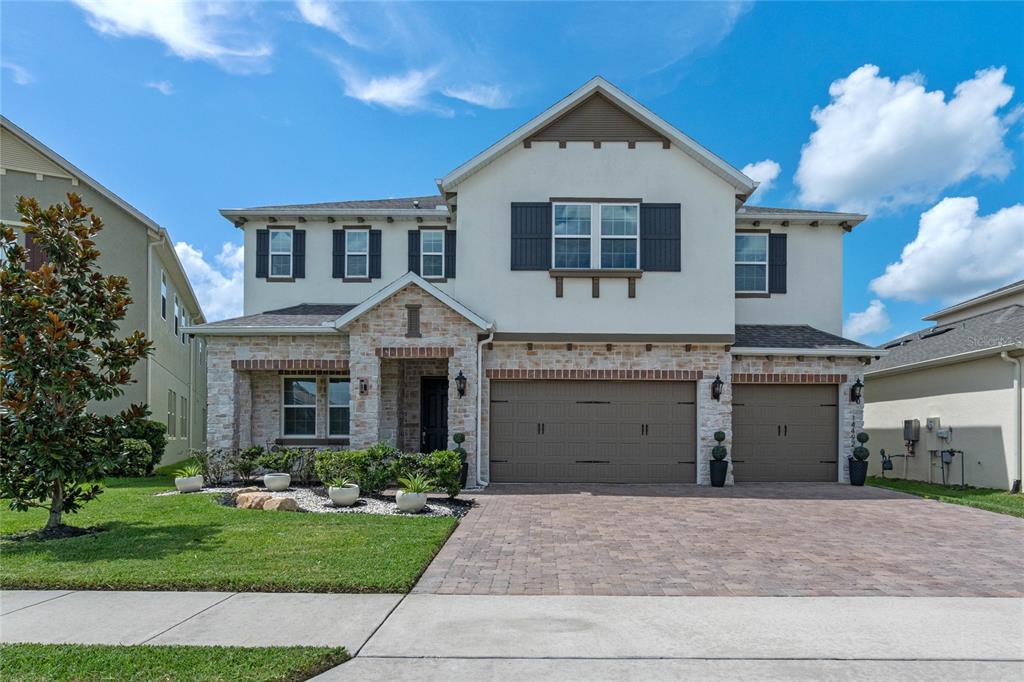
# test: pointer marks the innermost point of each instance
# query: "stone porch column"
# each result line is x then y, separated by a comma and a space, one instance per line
365, 409
462, 410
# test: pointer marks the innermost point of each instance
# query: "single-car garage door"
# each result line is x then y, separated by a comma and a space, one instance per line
784, 432
593, 431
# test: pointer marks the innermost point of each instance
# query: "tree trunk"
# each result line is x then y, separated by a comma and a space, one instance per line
56, 505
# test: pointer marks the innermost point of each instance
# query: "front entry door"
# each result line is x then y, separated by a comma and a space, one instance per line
433, 414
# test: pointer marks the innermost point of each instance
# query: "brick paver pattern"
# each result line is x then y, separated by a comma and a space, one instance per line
745, 540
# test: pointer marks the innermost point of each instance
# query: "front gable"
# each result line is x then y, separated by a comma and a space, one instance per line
597, 119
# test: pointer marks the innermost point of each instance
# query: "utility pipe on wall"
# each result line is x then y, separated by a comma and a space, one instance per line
479, 403
1005, 355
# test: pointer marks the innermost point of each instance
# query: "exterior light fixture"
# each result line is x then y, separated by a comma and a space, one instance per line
460, 384
364, 386
856, 391
716, 387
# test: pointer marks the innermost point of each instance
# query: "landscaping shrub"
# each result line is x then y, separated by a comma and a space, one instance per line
371, 468
244, 462
443, 467
154, 433
278, 461
134, 459
215, 464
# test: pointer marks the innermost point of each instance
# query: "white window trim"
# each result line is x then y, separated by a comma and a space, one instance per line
177, 312
183, 417
163, 294
763, 235
596, 238
172, 413
602, 236
184, 323
365, 254
424, 254
271, 253
333, 405
316, 405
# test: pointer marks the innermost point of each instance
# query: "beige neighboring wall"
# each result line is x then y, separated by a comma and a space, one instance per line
975, 398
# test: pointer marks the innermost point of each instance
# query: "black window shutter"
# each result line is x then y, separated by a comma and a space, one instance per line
776, 264
449, 253
531, 236
374, 266
337, 253
298, 254
660, 237
262, 253
414, 251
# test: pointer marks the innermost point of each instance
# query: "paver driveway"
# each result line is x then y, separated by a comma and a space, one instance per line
747, 540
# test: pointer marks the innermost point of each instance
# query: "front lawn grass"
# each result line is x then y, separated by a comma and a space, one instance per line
988, 499
190, 542
94, 662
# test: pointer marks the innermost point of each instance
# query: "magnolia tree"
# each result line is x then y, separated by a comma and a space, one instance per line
59, 350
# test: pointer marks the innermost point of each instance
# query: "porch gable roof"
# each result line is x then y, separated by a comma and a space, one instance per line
396, 286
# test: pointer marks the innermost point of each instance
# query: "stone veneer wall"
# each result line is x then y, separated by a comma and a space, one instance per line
851, 415
232, 419
711, 360
441, 330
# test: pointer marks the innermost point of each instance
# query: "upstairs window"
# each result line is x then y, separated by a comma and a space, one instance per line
281, 253
163, 295
338, 407
299, 403
620, 236
572, 236
177, 314
184, 323
172, 414
752, 263
432, 253
184, 417
357, 253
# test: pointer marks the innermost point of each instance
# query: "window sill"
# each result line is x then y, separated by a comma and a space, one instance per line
362, 280
297, 440
280, 279
606, 273
753, 294
436, 280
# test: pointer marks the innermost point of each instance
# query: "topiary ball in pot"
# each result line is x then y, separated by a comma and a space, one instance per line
719, 452
719, 437
859, 461
861, 453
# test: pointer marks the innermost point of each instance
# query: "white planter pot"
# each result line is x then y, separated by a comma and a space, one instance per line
277, 482
410, 503
188, 484
345, 496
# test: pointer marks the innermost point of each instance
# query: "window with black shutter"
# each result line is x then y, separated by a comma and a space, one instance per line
531, 230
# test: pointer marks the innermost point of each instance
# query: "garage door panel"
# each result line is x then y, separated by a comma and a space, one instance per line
592, 431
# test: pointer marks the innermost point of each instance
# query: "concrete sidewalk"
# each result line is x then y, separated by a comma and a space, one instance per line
210, 618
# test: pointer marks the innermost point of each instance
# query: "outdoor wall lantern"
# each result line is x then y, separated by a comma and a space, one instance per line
716, 387
364, 386
460, 384
855, 391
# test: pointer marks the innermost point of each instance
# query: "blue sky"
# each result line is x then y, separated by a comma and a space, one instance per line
911, 112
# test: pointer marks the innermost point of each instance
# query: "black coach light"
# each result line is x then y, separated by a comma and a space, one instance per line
716, 387
855, 391
460, 384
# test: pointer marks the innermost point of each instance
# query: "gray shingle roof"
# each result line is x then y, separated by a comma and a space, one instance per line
748, 208
988, 330
788, 336
302, 315
425, 202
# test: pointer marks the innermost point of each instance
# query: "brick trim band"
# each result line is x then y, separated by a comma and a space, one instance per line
758, 378
289, 364
415, 352
598, 374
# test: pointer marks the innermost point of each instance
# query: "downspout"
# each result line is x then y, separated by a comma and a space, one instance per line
479, 403
1005, 355
149, 322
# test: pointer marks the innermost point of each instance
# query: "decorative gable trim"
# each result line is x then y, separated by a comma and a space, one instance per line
399, 284
597, 119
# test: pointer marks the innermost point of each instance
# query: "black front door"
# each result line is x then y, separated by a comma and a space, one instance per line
433, 413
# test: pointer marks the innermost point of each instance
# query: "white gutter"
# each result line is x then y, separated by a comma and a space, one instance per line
812, 352
947, 360
1005, 355
258, 331
479, 405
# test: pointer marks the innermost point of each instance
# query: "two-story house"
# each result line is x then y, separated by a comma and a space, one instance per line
172, 380
588, 299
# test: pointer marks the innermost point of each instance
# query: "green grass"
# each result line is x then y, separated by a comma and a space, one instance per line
190, 542
982, 498
88, 662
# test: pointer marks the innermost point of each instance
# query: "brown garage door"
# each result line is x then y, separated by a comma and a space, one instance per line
593, 431
784, 433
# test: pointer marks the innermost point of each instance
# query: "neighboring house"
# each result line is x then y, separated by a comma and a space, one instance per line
172, 381
964, 371
573, 300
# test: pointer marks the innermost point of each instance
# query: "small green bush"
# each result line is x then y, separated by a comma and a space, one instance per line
445, 468
134, 459
278, 461
155, 434
371, 468
719, 452
244, 462
333, 465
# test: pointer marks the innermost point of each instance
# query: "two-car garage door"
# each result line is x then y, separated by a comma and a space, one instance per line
593, 431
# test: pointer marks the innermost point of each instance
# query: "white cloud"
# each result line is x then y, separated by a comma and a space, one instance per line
19, 74
196, 29
957, 253
163, 87
764, 172
871, 320
409, 91
329, 16
488, 96
218, 285
884, 144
